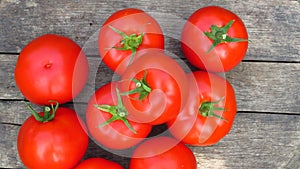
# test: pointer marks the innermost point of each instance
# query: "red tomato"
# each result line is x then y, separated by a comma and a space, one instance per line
107, 122
126, 33
154, 88
214, 39
58, 143
98, 163
51, 67
209, 113
162, 153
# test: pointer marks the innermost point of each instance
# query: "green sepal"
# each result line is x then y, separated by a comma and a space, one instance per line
219, 35
131, 42
118, 112
207, 109
142, 88
49, 112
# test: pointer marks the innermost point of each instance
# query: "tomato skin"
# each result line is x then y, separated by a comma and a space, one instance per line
51, 144
51, 67
115, 135
162, 153
96, 163
169, 88
195, 44
195, 129
129, 21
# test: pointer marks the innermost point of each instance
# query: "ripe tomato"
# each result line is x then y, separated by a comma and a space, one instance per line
106, 119
96, 163
162, 153
57, 143
154, 88
51, 67
126, 33
214, 39
209, 113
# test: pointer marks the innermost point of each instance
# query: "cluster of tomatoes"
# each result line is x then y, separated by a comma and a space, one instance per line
197, 107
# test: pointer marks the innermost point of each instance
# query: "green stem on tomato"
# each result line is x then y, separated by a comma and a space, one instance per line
49, 112
141, 88
131, 42
207, 109
219, 35
118, 112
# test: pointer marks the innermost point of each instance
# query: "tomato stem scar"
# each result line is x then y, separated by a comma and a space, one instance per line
48, 65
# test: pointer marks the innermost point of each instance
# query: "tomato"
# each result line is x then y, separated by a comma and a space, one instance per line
106, 119
154, 88
162, 153
58, 142
214, 39
126, 33
51, 67
96, 163
209, 113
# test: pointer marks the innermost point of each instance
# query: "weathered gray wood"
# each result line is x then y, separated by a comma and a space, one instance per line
259, 86
9, 156
267, 87
266, 132
294, 162
273, 25
255, 141
8, 87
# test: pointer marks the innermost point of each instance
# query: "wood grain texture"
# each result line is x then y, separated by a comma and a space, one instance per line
266, 132
259, 86
273, 26
255, 141
267, 87
8, 88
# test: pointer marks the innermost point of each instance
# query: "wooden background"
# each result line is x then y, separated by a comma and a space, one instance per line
266, 132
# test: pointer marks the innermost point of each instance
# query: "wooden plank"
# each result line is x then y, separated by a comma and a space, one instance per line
266, 132
273, 25
267, 87
259, 86
8, 88
254, 140
294, 162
